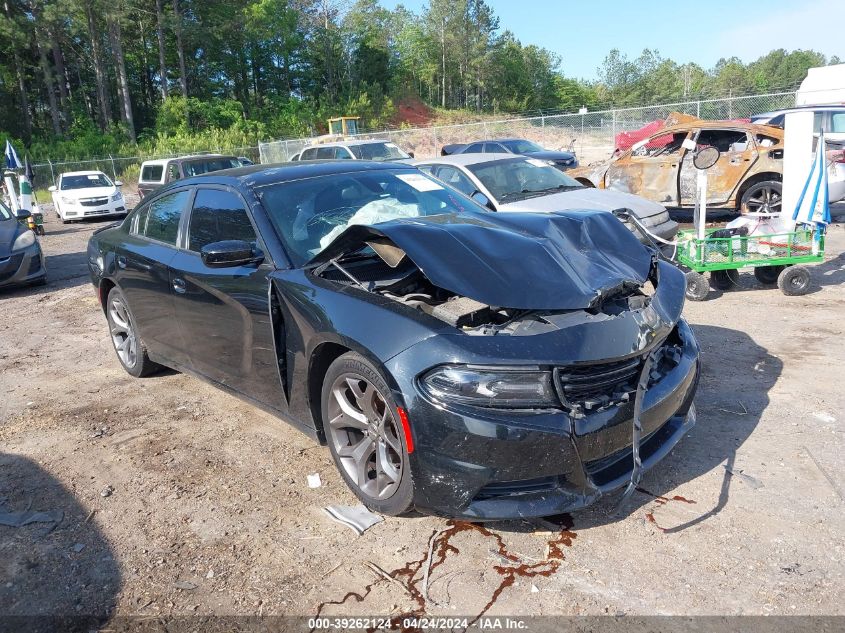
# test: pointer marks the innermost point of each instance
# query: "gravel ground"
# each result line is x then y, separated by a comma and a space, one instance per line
180, 499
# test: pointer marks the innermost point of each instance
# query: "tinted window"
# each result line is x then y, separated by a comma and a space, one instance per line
522, 147
342, 153
5, 212
475, 148
378, 151
218, 215
309, 154
325, 153
172, 172
494, 148
455, 179
85, 181
163, 217
197, 167
308, 214
152, 173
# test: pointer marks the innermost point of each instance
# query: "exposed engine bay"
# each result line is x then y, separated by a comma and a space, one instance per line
387, 272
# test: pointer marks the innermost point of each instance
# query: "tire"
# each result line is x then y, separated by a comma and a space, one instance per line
768, 275
762, 197
130, 349
697, 286
367, 440
794, 281
724, 279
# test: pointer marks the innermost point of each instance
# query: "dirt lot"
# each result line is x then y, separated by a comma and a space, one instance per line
179, 499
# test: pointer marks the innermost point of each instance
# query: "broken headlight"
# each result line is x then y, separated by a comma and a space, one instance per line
505, 387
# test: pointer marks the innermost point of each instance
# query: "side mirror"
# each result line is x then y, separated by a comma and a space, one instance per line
22, 214
483, 200
118, 183
411, 154
230, 253
705, 158
52, 188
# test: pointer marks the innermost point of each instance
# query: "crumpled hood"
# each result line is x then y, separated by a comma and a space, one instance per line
529, 261
588, 198
89, 192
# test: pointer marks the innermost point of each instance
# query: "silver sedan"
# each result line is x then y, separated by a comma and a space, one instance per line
504, 182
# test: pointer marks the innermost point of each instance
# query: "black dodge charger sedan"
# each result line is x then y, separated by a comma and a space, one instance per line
457, 361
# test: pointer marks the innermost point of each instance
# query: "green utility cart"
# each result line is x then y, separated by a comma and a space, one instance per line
775, 258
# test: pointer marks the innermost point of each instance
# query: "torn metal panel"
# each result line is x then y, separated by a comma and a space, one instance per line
663, 172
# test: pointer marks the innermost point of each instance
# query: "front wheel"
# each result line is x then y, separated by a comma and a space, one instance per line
128, 346
794, 281
365, 435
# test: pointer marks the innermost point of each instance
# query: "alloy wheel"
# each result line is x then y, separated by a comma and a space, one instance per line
765, 200
123, 332
365, 436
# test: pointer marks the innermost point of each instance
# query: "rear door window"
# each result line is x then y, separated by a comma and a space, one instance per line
152, 173
162, 222
837, 123
325, 153
218, 215
172, 172
475, 148
309, 154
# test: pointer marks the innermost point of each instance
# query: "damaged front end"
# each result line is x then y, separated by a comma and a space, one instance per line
560, 339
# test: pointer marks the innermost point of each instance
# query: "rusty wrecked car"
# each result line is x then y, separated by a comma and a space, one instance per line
747, 176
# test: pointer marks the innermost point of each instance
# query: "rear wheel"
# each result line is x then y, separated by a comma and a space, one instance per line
762, 197
697, 287
724, 279
128, 346
365, 435
794, 281
768, 275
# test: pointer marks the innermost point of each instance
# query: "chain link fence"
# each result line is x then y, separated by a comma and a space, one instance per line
592, 135
123, 168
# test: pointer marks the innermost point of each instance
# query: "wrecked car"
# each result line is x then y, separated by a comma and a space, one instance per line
747, 177
455, 361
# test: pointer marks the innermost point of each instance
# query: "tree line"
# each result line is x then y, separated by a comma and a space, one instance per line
89, 77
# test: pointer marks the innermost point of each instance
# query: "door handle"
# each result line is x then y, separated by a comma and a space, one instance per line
121, 261
179, 285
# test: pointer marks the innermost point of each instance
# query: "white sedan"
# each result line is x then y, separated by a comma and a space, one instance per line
82, 194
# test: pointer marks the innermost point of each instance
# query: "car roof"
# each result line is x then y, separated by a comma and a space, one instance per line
162, 161
368, 141
260, 175
81, 173
833, 106
468, 159
728, 125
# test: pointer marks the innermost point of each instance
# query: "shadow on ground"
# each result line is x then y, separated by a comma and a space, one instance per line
736, 377
60, 566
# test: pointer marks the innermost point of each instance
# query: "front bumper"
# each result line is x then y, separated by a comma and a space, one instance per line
23, 267
487, 465
79, 211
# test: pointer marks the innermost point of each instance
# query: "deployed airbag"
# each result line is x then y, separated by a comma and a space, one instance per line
530, 261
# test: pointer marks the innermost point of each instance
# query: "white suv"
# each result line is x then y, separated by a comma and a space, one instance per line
82, 194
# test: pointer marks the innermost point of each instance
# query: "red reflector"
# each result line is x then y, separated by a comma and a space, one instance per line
406, 426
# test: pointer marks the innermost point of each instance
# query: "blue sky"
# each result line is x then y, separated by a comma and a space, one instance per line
583, 32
